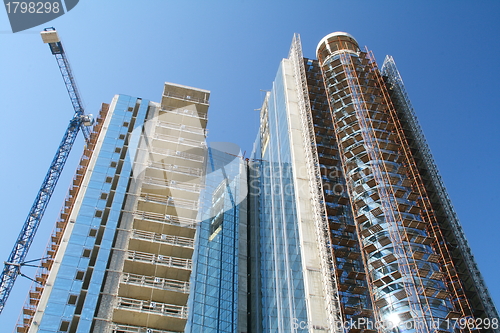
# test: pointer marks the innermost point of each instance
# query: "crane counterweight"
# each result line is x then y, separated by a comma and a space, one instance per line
50, 36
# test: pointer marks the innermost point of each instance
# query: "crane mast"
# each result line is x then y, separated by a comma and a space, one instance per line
79, 121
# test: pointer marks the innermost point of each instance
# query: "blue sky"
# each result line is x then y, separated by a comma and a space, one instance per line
446, 51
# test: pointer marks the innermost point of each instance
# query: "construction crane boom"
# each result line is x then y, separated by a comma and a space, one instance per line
79, 121
49, 35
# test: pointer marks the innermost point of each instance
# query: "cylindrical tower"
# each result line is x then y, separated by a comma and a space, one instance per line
407, 286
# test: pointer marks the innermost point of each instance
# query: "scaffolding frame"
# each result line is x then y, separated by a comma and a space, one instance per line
390, 70
380, 177
428, 215
366, 58
343, 242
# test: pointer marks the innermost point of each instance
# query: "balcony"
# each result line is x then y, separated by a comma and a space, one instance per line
161, 238
183, 222
158, 259
185, 97
118, 328
178, 154
162, 243
170, 201
130, 311
195, 188
155, 282
197, 172
187, 117
152, 264
180, 140
152, 307
147, 287
183, 128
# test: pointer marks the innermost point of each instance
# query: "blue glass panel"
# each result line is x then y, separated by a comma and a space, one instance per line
215, 274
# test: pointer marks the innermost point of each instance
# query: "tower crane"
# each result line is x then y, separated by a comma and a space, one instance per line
16, 260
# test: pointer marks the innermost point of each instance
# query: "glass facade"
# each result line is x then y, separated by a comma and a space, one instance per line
220, 264
282, 285
73, 298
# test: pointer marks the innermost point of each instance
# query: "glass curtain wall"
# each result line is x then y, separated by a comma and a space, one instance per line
215, 304
76, 288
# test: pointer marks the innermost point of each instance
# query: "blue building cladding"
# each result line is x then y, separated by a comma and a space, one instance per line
282, 283
80, 275
215, 281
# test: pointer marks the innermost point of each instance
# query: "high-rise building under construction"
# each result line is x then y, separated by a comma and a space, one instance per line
120, 257
356, 231
339, 222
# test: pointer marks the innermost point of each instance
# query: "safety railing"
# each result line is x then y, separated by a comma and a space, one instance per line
167, 219
155, 282
151, 307
162, 238
158, 259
